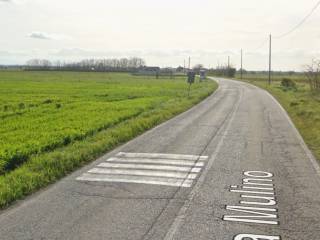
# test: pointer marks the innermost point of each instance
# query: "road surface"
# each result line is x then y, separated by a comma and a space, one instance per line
232, 167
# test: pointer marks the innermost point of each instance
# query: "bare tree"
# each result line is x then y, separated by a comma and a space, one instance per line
39, 63
313, 74
101, 65
197, 68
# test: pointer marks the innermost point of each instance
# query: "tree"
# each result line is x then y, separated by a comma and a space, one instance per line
313, 74
39, 63
197, 68
224, 71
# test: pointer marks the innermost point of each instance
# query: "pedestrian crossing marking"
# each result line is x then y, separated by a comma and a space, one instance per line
160, 161
148, 168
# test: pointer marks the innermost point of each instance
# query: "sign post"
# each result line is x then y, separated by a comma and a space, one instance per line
191, 79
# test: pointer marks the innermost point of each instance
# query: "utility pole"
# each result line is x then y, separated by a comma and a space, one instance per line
184, 65
241, 63
228, 62
270, 45
189, 63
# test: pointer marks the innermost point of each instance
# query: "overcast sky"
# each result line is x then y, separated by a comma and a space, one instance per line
163, 32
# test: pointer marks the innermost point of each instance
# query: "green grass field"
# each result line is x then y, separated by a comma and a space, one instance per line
55, 122
302, 105
299, 77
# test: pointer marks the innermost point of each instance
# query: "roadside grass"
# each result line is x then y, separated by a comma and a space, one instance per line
276, 77
55, 122
302, 105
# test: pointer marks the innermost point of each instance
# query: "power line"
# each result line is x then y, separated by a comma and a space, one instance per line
286, 33
300, 23
282, 36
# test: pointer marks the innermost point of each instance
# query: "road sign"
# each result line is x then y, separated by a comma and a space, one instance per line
202, 75
191, 77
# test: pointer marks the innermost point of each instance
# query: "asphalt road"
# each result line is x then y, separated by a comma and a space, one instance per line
232, 167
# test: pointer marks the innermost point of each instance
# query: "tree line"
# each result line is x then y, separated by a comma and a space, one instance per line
223, 71
99, 65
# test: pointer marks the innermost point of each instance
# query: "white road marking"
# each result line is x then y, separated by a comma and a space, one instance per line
253, 214
255, 237
200, 163
258, 188
174, 182
267, 201
162, 156
148, 168
150, 173
252, 192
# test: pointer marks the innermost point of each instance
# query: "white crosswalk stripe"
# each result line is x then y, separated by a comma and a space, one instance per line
148, 168
160, 161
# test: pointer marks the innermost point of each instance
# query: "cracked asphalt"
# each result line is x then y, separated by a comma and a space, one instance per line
241, 128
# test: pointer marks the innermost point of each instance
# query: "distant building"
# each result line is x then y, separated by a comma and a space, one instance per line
168, 70
148, 71
180, 69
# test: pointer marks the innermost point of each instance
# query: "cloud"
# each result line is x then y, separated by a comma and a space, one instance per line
40, 35
11, 1
244, 32
155, 53
47, 36
80, 52
95, 53
4, 53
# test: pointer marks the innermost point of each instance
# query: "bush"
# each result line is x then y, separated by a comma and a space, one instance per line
21, 106
47, 101
293, 104
288, 83
5, 108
